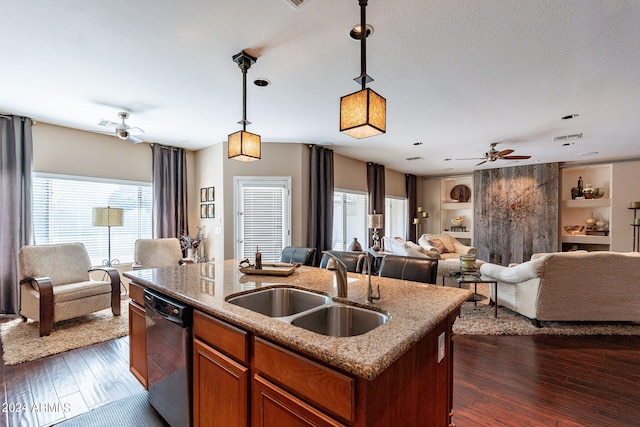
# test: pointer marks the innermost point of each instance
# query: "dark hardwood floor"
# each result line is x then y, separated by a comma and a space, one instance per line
58, 387
547, 381
498, 381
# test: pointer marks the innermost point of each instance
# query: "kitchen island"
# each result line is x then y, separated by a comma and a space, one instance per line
400, 371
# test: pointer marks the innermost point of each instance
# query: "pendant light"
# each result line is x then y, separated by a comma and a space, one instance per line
363, 113
244, 146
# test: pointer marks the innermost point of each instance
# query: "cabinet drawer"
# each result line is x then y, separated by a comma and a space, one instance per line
317, 384
136, 293
228, 339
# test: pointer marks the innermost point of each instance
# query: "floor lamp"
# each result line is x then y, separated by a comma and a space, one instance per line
108, 217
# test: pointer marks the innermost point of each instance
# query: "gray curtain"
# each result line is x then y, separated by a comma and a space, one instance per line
16, 224
169, 191
411, 187
376, 189
320, 227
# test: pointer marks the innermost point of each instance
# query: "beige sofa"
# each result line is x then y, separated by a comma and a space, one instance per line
448, 260
571, 286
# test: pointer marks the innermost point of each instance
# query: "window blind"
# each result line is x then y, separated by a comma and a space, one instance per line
263, 220
62, 213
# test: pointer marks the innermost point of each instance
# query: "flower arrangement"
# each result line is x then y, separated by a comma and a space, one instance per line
188, 242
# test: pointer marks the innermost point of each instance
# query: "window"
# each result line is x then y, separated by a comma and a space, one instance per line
63, 213
395, 217
264, 214
349, 219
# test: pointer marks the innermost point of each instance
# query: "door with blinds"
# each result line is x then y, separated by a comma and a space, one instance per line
263, 216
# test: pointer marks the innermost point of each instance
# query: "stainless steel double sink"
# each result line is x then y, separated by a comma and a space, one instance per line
311, 311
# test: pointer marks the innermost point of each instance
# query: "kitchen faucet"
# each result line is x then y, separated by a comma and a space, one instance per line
334, 263
371, 297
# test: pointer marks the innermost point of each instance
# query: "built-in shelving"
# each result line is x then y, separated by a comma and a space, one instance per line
450, 208
575, 211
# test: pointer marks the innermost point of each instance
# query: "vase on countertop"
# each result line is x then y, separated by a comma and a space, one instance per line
355, 246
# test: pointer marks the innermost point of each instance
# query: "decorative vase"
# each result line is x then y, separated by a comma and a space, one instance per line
355, 246
468, 263
591, 221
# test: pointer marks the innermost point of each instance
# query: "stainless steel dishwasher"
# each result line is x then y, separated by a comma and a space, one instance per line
168, 328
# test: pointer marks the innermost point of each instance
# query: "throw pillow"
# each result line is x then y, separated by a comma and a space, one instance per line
439, 245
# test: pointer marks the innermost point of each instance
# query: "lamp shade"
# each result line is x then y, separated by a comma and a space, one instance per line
244, 146
363, 114
375, 221
107, 217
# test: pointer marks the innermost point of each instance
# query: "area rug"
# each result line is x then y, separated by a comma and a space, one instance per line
21, 341
480, 320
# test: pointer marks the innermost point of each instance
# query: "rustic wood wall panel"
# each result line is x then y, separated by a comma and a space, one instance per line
515, 212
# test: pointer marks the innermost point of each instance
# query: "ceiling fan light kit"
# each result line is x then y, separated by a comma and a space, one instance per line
363, 113
242, 145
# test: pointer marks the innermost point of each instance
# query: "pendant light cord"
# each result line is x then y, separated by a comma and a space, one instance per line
363, 43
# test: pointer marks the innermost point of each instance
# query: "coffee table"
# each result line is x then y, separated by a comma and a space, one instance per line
460, 278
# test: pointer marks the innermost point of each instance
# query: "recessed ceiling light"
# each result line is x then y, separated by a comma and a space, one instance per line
589, 153
570, 116
566, 144
417, 143
447, 160
447, 169
261, 82
356, 31
414, 158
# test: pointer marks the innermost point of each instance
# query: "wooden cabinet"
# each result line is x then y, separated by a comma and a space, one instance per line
220, 388
137, 334
326, 388
220, 373
275, 407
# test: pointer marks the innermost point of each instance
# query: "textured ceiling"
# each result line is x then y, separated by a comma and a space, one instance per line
457, 75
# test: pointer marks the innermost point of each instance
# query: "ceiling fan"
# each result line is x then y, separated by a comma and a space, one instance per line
492, 155
123, 130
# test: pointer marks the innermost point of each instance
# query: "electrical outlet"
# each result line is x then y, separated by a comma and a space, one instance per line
441, 345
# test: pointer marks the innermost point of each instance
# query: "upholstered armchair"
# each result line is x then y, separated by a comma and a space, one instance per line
156, 253
55, 285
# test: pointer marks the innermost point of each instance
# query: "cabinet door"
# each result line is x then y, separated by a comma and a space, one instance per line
137, 343
220, 388
274, 407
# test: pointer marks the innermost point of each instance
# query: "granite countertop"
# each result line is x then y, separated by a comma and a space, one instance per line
415, 309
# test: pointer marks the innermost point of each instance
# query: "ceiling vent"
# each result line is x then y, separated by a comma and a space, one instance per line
106, 123
298, 3
567, 137
414, 158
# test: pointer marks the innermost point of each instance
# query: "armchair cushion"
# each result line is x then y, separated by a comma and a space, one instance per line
453, 245
53, 261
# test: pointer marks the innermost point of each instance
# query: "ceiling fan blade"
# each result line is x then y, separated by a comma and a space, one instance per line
504, 153
134, 140
515, 157
135, 131
481, 163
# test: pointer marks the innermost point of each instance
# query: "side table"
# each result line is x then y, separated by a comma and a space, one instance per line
376, 259
475, 279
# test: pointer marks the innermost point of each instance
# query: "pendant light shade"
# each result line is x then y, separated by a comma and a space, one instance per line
242, 145
363, 113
